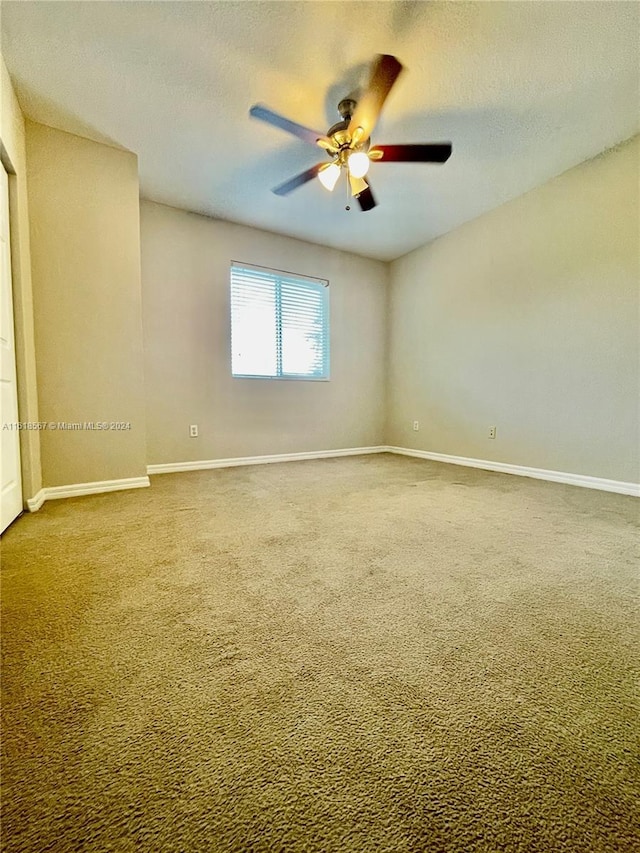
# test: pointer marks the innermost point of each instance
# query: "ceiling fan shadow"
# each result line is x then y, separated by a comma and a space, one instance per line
267, 171
461, 126
350, 85
407, 16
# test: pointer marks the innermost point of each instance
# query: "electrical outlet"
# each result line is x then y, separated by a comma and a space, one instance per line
492, 432
193, 430
416, 425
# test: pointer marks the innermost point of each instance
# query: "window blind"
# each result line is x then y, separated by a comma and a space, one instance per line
279, 325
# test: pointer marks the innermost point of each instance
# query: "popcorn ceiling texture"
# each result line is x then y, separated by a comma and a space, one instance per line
524, 91
374, 654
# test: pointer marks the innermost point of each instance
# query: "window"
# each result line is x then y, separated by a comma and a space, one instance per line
279, 324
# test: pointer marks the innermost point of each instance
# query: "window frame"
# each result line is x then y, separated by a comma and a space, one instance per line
278, 275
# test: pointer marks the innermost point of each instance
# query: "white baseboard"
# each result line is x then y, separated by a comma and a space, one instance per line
52, 493
34, 503
582, 480
78, 489
205, 464
619, 486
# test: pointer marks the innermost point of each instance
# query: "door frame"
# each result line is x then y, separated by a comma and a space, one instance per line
13, 158
15, 506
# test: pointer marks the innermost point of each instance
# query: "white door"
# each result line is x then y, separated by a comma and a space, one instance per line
10, 476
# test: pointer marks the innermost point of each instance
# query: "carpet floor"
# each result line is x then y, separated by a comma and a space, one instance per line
362, 655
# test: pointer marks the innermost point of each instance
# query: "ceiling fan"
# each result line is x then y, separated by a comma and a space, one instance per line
348, 143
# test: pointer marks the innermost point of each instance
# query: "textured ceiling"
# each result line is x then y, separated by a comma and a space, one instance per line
523, 90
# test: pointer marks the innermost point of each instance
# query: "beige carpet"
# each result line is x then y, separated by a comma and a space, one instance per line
372, 654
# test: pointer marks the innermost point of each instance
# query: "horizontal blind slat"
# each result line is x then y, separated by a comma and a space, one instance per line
278, 315
253, 319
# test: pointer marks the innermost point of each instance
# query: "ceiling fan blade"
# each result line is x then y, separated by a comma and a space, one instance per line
298, 180
366, 200
263, 113
361, 190
384, 74
434, 152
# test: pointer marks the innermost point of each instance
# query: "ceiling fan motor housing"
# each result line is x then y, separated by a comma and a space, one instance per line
339, 133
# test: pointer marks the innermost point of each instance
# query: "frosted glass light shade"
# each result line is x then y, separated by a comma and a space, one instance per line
328, 176
359, 164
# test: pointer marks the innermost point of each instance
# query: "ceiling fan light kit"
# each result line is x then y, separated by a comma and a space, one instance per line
358, 164
328, 175
348, 142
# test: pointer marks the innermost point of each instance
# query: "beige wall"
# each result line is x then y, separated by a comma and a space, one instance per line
12, 144
185, 274
85, 251
527, 319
